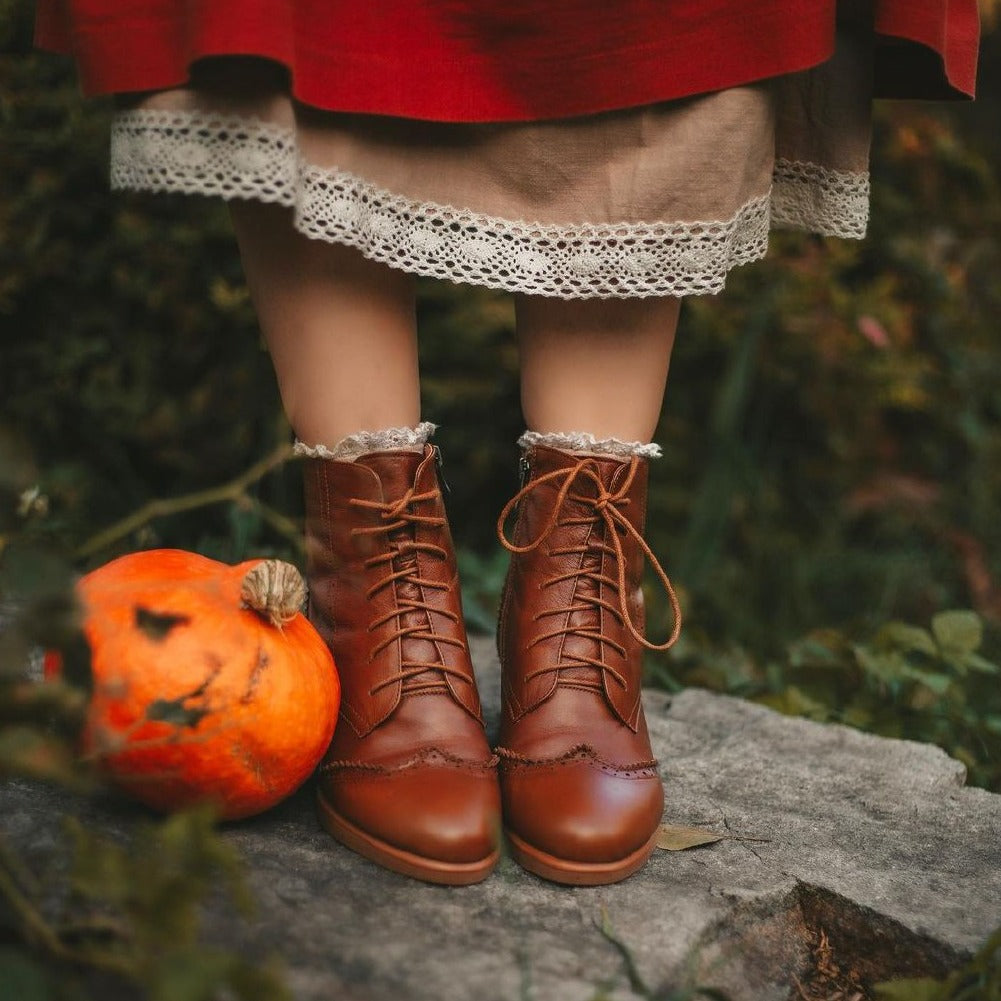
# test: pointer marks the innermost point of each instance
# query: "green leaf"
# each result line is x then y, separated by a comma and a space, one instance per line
795, 702
974, 662
32, 753
887, 666
22, 978
938, 683
258, 983
821, 648
901, 636
910, 989
190, 974
958, 631
100, 869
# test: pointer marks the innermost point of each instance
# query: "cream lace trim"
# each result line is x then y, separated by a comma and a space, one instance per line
362, 442
582, 441
198, 153
585, 261
814, 198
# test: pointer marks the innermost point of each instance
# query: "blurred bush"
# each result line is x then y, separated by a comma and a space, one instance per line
832, 430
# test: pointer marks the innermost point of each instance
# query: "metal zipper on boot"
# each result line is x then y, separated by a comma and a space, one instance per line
524, 468
440, 463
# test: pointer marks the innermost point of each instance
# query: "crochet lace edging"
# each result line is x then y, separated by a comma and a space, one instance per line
582, 441
810, 197
233, 157
197, 153
363, 442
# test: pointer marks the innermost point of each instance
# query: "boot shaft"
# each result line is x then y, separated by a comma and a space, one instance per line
384, 591
574, 583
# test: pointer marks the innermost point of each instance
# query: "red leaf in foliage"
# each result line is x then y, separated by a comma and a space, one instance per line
873, 331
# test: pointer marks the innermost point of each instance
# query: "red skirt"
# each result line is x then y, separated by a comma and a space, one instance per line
507, 60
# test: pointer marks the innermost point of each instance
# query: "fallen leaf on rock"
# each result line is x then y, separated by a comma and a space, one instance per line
675, 838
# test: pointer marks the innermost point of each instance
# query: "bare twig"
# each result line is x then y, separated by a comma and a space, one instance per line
281, 523
234, 490
16, 869
38, 931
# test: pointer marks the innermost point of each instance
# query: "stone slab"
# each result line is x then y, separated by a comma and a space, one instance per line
874, 843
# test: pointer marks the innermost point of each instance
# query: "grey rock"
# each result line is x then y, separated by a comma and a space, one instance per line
874, 844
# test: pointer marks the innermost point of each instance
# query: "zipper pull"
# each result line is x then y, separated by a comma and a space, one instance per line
524, 468
439, 462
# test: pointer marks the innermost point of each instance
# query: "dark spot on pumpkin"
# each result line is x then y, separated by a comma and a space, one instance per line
215, 666
252, 762
255, 676
176, 712
157, 625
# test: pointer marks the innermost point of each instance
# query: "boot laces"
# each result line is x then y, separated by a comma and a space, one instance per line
399, 521
605, 514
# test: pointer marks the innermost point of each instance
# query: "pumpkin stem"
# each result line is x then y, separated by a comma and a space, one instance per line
275, 590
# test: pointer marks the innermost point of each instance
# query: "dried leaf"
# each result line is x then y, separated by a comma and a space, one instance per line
676, 838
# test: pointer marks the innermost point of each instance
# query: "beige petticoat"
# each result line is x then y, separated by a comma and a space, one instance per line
658, 200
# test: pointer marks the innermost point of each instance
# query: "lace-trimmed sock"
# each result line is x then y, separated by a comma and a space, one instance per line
582, 441
362, 442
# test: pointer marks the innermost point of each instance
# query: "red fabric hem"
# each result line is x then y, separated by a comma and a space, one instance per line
951, 32
430, 70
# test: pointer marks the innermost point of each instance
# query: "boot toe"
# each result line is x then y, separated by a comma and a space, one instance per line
582, 813
431, 816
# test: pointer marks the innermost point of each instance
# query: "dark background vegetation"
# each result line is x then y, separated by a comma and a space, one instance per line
832, 429
827, 504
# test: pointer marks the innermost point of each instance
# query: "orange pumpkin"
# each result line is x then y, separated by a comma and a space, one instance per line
209, 684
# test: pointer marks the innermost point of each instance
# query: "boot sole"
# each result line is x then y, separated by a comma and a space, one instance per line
574, 873
398, 859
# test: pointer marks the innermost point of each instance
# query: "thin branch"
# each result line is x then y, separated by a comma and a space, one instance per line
38, 931
16, 868
234, 490
281, 523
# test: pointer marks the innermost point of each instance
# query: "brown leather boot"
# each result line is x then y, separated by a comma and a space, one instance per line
409, 780
581, 793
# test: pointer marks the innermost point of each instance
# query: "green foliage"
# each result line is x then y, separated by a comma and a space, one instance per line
977, 980
933, 685
832, 430
118, 916
130, 913
482, 583
832, 440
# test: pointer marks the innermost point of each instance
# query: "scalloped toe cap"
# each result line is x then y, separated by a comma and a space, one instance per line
581, 809
437, 811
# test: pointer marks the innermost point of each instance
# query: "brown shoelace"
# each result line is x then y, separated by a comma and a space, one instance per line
401, 557
606, 507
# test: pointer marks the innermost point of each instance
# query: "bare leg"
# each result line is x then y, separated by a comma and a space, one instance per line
341, 329
595, 365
